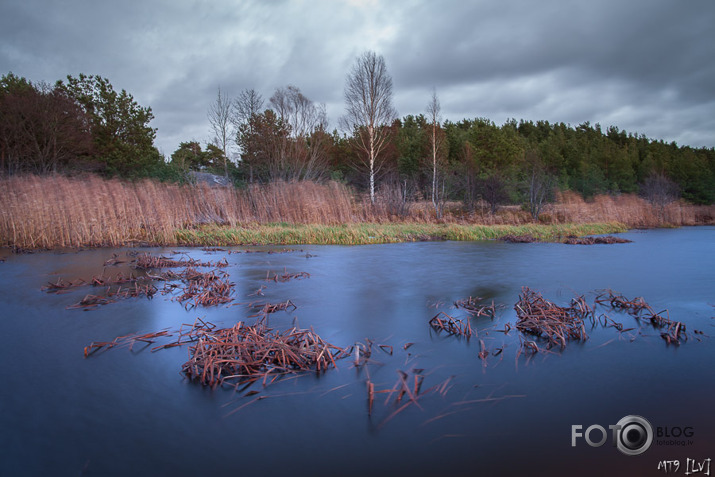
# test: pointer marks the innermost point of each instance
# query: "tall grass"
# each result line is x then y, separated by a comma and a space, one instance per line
57, 211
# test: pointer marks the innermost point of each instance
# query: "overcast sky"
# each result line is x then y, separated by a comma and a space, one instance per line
646, 66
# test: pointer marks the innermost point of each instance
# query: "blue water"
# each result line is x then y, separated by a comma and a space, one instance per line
131, 412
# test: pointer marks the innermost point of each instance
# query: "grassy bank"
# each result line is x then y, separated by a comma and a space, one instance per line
368, 233
58, 212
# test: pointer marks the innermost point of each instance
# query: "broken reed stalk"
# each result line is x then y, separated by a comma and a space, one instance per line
554, 323
127, 340
405, 387
249, 353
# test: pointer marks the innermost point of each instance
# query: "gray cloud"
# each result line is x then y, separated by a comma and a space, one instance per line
644, 65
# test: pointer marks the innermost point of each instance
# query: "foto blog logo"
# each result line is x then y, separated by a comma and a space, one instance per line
632, 435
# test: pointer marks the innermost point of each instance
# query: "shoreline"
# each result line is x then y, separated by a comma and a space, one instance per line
346, 234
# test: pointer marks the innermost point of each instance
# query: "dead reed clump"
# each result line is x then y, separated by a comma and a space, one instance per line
250, 353
555, 324
453, 326
204, 289
638, 308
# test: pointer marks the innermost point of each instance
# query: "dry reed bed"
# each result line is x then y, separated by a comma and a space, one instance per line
628, 209
58, 211
49, 212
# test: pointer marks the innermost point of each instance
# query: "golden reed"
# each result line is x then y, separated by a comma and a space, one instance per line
58, 211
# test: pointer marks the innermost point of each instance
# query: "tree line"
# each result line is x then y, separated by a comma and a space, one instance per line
83, 124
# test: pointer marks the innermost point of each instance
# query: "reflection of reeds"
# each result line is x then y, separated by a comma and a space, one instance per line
57, 211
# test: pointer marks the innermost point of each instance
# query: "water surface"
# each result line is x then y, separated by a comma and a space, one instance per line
128, 412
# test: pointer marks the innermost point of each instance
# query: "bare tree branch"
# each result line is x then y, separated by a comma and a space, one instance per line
219, 115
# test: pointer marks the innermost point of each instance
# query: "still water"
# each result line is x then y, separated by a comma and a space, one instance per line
131, 412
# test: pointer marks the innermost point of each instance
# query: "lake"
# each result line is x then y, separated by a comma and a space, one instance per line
131, 411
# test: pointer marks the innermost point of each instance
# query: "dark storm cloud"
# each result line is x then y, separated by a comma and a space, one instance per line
565, 61
643, 65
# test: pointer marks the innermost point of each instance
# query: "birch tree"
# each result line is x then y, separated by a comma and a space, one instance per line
436, 139
219, 115
369, 111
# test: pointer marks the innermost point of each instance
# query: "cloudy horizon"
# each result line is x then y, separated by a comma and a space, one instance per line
644, 66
